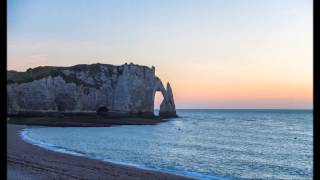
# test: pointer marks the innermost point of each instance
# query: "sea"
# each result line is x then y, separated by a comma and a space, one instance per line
200, 143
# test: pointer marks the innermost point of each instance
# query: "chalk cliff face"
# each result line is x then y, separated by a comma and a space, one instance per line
128, 88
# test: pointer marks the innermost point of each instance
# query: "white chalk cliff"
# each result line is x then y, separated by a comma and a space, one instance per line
128, 88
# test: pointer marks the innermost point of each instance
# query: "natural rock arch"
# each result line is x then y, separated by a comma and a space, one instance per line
167, 106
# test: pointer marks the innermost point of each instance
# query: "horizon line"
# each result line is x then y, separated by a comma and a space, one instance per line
311, 109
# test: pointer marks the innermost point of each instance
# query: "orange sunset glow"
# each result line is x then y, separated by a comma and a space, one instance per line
258, 56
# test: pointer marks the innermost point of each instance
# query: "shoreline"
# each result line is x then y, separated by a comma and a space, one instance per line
84, 121
28, 161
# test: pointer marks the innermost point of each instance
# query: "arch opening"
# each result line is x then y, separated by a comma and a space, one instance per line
158, 98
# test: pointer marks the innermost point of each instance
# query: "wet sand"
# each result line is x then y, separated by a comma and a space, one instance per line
26, 161
83, 121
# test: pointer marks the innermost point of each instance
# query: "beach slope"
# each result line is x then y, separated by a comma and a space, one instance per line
27, 161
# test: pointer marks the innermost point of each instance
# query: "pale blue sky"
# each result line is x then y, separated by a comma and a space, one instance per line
111, 20
203, 47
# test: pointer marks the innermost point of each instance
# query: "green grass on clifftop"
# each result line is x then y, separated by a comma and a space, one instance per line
42, 72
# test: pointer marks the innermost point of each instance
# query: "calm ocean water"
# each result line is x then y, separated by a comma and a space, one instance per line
206, 144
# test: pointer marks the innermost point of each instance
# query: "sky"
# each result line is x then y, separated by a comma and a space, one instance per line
214, 53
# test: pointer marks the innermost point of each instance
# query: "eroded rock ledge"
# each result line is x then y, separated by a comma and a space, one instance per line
127, 89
